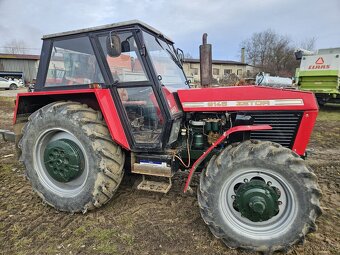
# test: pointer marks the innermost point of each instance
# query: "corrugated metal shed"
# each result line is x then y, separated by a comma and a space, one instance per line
28, 64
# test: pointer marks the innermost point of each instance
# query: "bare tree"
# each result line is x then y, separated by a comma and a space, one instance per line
281, 60
15, 47
258, 47
187, 55
271, 52
308, 44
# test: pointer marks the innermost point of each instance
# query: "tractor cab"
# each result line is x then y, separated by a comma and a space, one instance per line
137, 63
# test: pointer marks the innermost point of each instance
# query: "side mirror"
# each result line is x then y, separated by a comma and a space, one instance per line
113, 45
180, 55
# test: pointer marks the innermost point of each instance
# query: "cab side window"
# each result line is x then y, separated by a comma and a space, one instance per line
73, 62
127, 67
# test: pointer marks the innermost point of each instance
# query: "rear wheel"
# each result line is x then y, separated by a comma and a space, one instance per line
259, 196
70, 158
13, 86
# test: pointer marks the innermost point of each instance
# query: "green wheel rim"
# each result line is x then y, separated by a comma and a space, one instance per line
269, 192
63, 160
257, 201
59, 147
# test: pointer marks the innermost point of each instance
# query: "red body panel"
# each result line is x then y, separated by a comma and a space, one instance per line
248, 98
111, 116
304, 132
45, 93
105, 102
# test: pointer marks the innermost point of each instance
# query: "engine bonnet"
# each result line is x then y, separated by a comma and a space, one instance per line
245, 98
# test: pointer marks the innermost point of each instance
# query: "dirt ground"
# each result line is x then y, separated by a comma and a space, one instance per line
12, 93
137, 222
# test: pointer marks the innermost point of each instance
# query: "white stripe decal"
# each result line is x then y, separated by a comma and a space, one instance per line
245, 103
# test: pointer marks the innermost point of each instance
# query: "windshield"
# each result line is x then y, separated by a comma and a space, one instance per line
165, 62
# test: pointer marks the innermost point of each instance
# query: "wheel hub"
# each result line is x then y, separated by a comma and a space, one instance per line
257, 201
63, 159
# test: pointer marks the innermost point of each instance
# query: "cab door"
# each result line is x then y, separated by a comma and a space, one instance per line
134, 92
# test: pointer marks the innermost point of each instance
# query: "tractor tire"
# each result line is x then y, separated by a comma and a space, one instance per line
13, 86
259, 171
322, 101
70, 158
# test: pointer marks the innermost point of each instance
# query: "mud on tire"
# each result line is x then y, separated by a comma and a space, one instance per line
267, 160
85, 127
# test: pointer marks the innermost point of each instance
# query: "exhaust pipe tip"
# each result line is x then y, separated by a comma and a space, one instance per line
204, 38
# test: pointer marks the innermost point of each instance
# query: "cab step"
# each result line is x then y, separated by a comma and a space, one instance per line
154, 186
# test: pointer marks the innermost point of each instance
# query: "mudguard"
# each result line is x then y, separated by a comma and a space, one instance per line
100, 97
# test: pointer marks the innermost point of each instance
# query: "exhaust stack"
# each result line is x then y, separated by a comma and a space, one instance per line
243, 58
205, 62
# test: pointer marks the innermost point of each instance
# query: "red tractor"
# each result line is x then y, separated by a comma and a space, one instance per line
114, 99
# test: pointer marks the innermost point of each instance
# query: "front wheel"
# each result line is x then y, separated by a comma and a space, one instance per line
259, 196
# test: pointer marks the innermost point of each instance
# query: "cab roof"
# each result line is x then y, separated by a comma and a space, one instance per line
125, 24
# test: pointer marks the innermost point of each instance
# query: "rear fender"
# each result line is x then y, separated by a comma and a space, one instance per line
98, 99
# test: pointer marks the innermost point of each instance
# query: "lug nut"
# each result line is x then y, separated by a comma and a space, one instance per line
245, 180
269, 183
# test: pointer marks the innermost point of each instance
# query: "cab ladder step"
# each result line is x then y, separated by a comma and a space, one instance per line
155, 186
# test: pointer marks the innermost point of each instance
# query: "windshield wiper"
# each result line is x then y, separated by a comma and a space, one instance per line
174, 58
159, 42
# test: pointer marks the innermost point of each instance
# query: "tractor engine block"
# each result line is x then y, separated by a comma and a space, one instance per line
205, 128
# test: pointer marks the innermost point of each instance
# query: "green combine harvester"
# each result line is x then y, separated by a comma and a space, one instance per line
320, 73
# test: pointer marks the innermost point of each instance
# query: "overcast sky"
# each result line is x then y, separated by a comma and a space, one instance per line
227, 22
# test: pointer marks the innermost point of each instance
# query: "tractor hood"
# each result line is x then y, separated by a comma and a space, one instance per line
250, 98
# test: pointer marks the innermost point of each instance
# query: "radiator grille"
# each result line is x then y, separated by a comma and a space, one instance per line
285, 126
